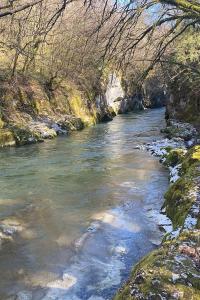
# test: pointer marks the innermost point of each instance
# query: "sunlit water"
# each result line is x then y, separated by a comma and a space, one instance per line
84, 206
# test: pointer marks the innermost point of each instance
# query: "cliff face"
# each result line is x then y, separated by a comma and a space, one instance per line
30, 112
148, 94
117, 97
154, 92
183, 103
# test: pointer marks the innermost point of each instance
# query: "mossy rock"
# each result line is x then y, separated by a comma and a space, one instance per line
76, 123
1, 123
178, 200
111, 111
80, 108
172, 271
171, 132
160, 275
180, 130
192, 159
71, 124
24, 136
6, 138
174, 157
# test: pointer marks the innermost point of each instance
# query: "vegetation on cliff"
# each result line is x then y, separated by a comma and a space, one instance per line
69, 48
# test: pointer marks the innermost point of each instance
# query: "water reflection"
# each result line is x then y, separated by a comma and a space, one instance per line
81, 205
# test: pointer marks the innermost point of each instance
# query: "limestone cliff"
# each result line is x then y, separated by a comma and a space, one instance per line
31, 112
183, 102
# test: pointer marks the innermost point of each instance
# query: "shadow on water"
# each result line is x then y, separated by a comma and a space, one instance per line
81, 205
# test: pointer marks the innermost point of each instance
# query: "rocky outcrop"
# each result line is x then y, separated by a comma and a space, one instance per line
184, 102
115, 94
117, 98
155, 94
30, 112
122, 98
171, 272
149, 94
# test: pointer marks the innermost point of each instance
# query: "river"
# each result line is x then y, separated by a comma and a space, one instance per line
84, 207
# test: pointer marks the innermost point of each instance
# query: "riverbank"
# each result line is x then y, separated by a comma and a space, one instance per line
31, 111
173, 270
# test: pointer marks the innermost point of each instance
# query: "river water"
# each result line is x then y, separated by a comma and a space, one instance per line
84, 210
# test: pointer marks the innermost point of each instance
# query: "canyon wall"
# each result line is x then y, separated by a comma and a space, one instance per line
31, 111
183, 103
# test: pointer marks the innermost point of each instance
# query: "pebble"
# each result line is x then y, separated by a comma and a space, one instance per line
175, 277
155, 297
177, 295
139, 279
155, 282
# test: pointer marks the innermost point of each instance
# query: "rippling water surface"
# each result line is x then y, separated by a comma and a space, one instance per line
85, 208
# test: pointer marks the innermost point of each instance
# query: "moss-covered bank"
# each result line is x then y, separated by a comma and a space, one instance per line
30, 112
170, 272
181, 195
173, 270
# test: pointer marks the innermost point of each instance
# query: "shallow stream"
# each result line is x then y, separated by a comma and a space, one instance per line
85, 209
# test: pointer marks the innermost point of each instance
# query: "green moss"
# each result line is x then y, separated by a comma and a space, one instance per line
73, 123
30, 100
6, 138
24, 136
174, 157
178, 198
80, 109
158, 269
191, 163
1, 124
176, 256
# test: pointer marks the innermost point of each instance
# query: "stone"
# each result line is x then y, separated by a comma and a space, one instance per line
177, 295
139, 279
155, 282
175, 277
6, 138
155, 297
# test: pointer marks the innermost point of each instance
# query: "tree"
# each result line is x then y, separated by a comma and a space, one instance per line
171, 18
